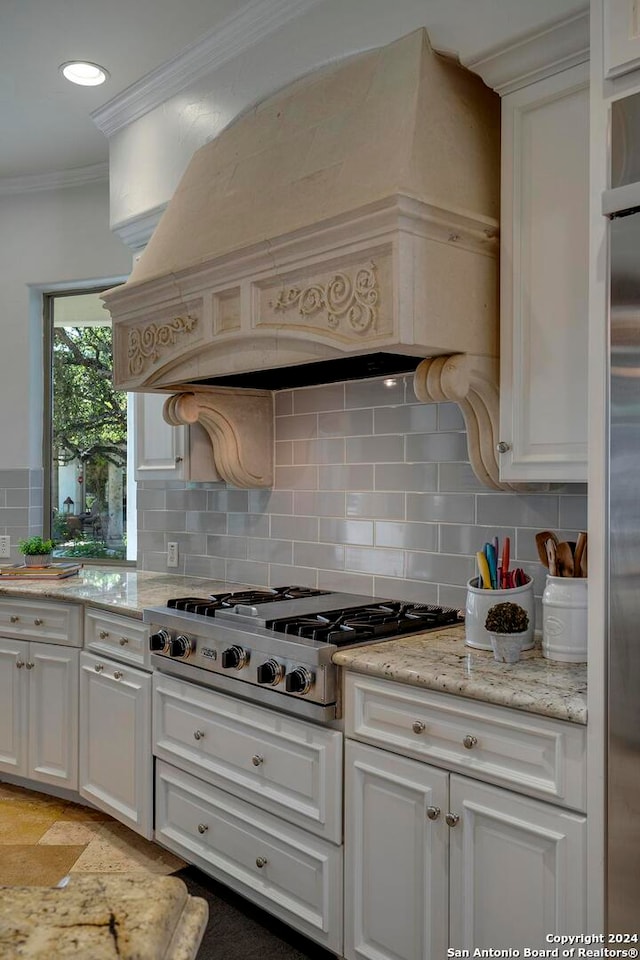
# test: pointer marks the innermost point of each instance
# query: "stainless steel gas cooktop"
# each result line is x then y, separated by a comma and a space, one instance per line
275, 645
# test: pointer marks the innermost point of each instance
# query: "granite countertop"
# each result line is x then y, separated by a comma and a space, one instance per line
103, 917
124, 591
438, 660
441, 661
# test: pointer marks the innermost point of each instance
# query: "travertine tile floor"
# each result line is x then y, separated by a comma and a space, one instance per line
43, 839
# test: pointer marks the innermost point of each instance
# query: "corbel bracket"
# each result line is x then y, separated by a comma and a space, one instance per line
472, 383
239, 424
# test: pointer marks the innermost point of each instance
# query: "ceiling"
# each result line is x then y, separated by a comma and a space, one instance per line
46, 121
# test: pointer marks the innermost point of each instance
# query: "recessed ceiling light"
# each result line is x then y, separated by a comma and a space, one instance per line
83, 72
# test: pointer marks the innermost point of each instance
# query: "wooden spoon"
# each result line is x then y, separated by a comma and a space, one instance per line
551, 556
581, 546
541, 544
564, 558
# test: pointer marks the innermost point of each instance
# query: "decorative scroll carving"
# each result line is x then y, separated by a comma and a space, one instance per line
144, 344
471, 382
356, 299
239, 424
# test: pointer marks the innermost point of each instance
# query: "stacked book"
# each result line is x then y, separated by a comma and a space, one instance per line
55, 571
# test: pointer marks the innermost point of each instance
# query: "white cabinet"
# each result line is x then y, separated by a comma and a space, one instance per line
164, 452
116, 760
254, 798
116, 763
39, 711
287, 871
435, 858
544, 279
621, 41
517, 869
396, 857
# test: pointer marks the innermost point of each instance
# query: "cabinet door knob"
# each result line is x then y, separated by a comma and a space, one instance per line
179, 459
470, 741
198, 734
99, 667
19, 664
38, 621
103, 634
418, 726
256, 760
202, 828
503, 447
124, 641
118, 674
14, 619
261, 862
433, 813
452, 819
30, 665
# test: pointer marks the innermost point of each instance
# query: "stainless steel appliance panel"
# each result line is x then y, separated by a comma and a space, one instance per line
623, 781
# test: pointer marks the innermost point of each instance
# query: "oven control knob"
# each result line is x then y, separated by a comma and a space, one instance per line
299, 680
159, 642
180, 647
270, 672
234, 658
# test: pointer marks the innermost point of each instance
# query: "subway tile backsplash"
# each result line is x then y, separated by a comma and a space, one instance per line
374, 494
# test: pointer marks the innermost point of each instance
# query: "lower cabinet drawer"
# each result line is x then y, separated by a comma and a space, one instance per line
111, 635
539, 756
287, 766
44, 620
279, 867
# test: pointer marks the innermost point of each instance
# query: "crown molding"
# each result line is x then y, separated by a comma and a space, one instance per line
237, 33
57, 180
136, 232
532, 57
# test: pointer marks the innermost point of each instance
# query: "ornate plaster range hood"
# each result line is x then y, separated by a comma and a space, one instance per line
345, 227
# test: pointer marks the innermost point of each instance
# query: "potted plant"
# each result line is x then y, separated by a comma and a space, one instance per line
507, 625
36, 551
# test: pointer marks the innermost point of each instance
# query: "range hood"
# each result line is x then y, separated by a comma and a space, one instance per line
345, 227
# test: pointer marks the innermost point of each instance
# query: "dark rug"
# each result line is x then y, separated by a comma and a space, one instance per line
238, 930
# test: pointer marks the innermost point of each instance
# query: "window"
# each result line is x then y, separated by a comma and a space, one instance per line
87, 495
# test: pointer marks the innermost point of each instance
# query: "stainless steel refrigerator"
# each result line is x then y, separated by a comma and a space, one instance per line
622, 205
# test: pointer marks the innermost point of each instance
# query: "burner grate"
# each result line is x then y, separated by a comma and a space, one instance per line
357, 625
207, 606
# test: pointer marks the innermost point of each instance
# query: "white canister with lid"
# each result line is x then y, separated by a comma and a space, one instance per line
564, 619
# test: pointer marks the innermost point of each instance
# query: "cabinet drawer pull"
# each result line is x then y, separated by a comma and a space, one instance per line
99, 667
202, 828
433, 813
103, 634
124, 641
30, 665
452, 819
418, 726
14, 619
19, 664
470, 741
256, 760
38, 621
261, 862
198, 734
118, 674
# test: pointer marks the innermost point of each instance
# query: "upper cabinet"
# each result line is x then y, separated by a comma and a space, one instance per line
544, 279
621, 37
165, 452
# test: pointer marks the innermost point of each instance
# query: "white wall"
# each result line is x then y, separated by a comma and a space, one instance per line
47, 238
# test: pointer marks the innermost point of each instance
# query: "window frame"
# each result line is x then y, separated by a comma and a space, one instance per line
48, 299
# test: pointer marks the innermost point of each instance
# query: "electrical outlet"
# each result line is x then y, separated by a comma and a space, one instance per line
172, 554
5, 547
